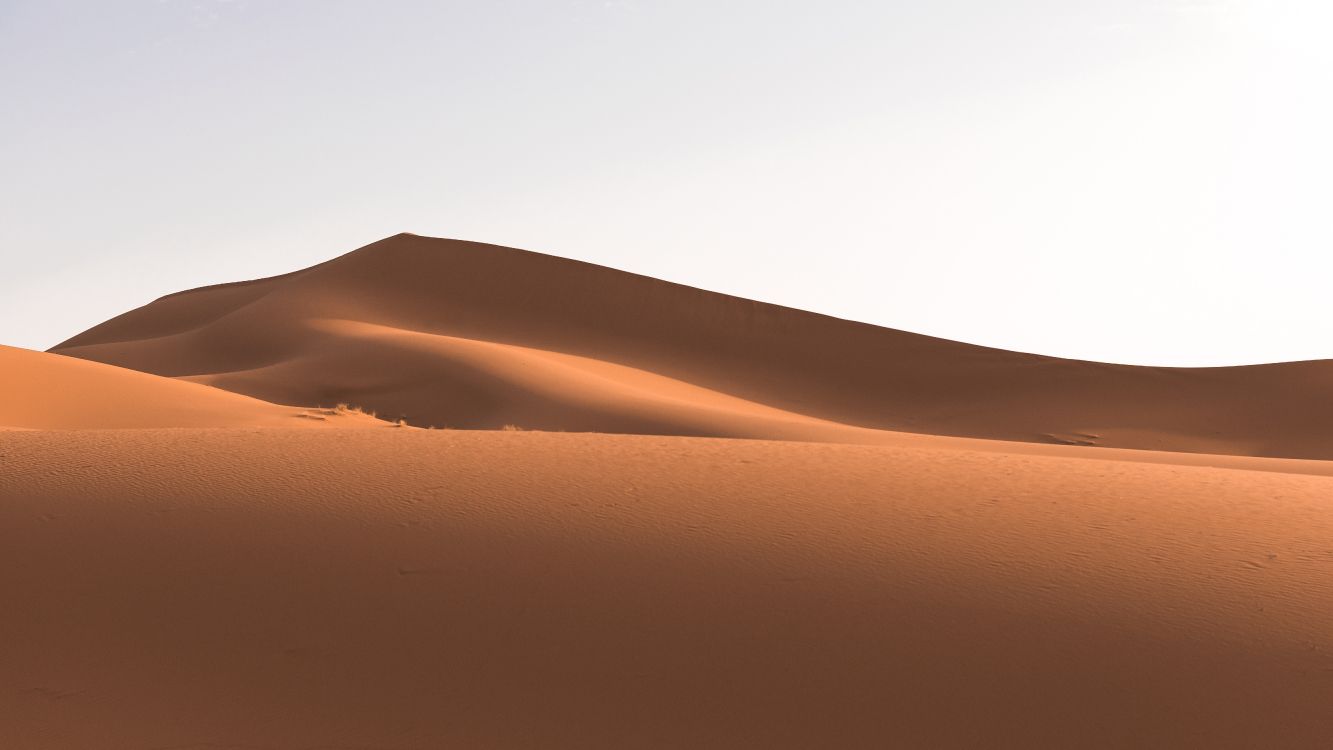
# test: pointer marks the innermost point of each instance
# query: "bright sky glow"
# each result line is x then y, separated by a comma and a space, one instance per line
1143, 181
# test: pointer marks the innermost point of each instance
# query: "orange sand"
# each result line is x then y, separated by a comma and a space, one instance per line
461, 334
410, 589
49, 392
921, 553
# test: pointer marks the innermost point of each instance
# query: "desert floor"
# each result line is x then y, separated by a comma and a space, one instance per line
399, 589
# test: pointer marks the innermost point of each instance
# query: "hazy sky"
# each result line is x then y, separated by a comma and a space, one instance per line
1140, 181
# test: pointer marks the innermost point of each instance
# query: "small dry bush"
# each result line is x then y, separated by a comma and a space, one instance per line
347, 409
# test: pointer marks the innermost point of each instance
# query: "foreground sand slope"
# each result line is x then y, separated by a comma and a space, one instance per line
462, 334
415, 590
47, 391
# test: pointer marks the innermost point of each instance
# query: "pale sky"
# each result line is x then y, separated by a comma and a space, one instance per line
1143, 181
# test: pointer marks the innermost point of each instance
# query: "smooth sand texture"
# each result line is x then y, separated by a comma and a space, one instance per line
461, 334
40, 391
405, 589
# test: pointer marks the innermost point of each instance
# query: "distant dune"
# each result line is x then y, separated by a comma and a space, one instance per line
40, 391
466, 335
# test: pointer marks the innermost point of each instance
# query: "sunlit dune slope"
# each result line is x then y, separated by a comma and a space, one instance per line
461, 334
416, 589
47, 391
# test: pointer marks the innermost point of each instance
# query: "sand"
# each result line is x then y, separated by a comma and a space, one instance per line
269, 588
467, 335
759, 528
48, 391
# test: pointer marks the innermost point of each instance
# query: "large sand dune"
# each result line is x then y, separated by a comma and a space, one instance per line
415, 590
849, 582
461, 334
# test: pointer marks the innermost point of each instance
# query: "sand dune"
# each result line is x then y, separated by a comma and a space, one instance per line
444, 332
47, 391
413, 589
921, 552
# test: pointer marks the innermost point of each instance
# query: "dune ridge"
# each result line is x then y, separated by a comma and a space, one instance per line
462, 334
41, 391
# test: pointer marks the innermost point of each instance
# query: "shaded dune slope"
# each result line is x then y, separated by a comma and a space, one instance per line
40, 391
462, 334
